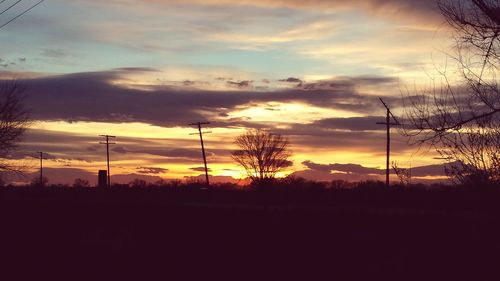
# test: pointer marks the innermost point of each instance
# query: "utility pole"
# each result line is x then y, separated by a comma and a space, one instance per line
199, 124
107, 143
41, 168
388, 126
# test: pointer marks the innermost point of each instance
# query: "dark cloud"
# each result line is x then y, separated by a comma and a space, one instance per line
345, 168
166, 152
348, 83
429, 171
240, 84
151, 170
188, 83
356, 172
366, 123
92, 97
312, 135
136, 69
57, 146
319, 175
119, 149
291, 80
199, 169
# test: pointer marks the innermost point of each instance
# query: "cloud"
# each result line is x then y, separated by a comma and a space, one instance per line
366, 123
402, 9
151, 170
304, 31
102, 97
356, 172
199, 169
345, 168
183, 153
240, 84
57, 146
291, 80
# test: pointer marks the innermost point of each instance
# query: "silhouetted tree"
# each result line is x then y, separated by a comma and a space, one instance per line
403, 174
36, 181
81, 183
262, 154
473, 153
462, 121
138, 183
13, 120
339, 184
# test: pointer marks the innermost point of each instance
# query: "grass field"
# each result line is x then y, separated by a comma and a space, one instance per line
446, 234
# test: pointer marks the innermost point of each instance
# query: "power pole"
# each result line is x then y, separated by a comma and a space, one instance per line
199, 124
41, 168
107, 143
388, 126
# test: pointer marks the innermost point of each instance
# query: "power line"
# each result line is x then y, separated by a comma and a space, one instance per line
21, 14
10, 7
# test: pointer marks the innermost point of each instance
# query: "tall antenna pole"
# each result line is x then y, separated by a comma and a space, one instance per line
388, 148
41, 168
388, 151
107, 143
199, 124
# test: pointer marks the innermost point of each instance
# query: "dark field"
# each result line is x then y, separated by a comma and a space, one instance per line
446, 234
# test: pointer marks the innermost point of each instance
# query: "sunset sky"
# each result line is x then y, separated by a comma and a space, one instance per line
143, 70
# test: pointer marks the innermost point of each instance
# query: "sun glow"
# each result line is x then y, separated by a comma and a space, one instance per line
287, 113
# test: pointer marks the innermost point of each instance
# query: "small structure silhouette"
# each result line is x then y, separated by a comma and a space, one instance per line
102, 179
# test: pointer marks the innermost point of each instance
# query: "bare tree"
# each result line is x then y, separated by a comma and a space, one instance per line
477, 34
14, 121
474, 153
403, 174
81, 183
262, 154
462, 120
37, 182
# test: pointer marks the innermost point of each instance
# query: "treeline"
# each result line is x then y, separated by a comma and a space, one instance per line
369, 196
287, 183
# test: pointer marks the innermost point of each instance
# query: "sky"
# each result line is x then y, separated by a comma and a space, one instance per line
143, 70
